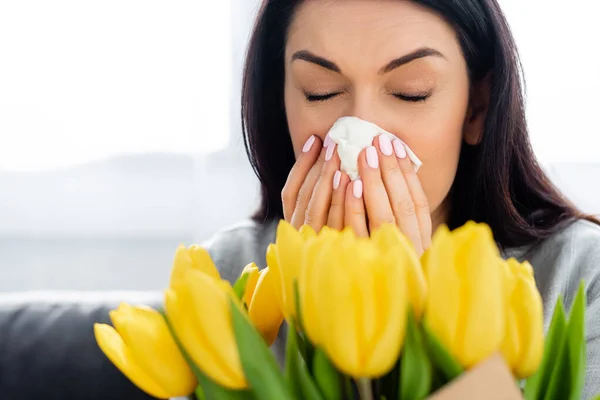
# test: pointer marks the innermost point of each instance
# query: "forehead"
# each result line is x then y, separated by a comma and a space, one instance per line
370, 30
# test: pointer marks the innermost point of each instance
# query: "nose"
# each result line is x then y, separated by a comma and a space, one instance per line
364, 106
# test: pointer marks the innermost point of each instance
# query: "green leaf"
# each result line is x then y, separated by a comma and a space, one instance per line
442, 359
576, 344
415, 366
291, 361
296, 371
307, 384
260, 367
328, 378
239, 287
305, 346
207, 388
538, 384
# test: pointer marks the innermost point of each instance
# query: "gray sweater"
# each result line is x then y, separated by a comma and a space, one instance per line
560, 263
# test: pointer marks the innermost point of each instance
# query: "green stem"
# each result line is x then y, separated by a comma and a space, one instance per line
364, 388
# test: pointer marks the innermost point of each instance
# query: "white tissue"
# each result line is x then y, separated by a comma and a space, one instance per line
352, 134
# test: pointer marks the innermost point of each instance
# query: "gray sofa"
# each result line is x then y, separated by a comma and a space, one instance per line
48, 350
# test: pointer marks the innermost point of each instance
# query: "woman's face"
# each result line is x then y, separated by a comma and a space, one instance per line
390, 62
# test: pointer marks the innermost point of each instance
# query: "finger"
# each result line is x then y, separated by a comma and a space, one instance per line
396, 186
354, 211
318, 207
297, 175
377, 202
306, 191
340, 182
419, 199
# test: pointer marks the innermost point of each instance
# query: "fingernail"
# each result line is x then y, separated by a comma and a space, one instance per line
308, 145
399, 149
329, 152
372, 158
327, 141
336, 179
357, 189
385, 145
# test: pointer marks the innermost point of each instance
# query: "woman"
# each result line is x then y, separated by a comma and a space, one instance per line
444, 77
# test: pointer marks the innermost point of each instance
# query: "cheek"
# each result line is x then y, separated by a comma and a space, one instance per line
305, 119
437, 140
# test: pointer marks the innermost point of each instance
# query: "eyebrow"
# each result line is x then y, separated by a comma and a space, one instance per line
307, 56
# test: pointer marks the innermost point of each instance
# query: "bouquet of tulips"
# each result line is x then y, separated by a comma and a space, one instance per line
366, 319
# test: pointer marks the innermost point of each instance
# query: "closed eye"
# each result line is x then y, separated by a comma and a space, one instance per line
314, 97
412, 98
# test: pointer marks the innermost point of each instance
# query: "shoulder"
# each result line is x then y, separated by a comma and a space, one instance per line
235, 246
578, 245
562, 261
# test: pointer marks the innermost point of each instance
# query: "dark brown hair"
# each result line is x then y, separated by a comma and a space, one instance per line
498, 181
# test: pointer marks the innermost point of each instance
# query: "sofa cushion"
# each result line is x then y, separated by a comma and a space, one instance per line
48, 350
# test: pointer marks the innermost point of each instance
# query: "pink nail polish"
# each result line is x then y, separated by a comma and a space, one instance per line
399, 149
329, 152
308, 145
327, 141
357, 189
372, 157
385, 145
336, 180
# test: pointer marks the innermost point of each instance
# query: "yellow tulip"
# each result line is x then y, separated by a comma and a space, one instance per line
253, 273
143, 349
198, 308
193, 257
264, 311
354, 302
284, 259
523, 344
465, 303
389, 236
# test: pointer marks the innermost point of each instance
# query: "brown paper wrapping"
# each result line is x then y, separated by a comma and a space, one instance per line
490, 380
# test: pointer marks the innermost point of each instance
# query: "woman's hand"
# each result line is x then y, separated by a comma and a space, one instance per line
390, 192
308, 196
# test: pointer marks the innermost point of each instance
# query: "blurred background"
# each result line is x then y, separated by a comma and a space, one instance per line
120, 134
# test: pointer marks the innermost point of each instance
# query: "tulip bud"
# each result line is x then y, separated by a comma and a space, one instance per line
389, 236
199, 310
523, 344
360, 294
252, 271
465, 306
142, 347
264, 311
284, 259
194, 257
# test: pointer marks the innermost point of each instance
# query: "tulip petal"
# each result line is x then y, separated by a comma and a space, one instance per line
310, 289
482, 315
253, 273
443, 300
146, 334
392, 300
195, 257
209, 302
341, 307
112, 345
187, 324
273, 265
265, 314
289, 245
526, 307
388, 237
203, 262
